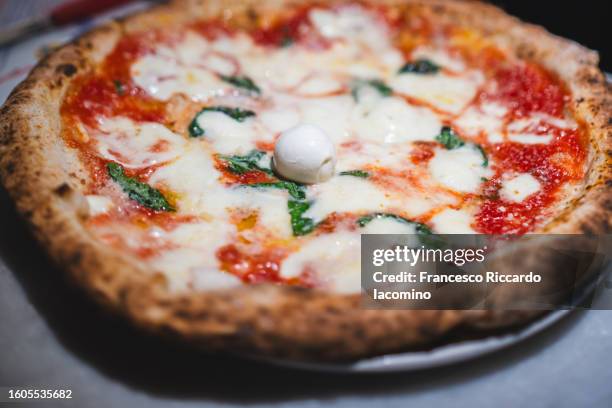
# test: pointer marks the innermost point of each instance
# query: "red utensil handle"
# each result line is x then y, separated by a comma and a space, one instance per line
76, 10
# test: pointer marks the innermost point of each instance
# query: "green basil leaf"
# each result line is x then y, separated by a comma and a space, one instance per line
242, 82
355, 173
420, 66
237, 114
242, 164
119, 87
449, 139
194, 129
485, 158
297, 205
377, 84
299, 224
138, 191
286, 41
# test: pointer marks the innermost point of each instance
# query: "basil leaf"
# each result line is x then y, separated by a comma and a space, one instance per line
119, 87
235, 113
295, 190
449, 139
485, 158
299, 224
377, 84
420, 66
286, 41
297, 205
194, 129
355, 173
242, 82
138, 191
242, 164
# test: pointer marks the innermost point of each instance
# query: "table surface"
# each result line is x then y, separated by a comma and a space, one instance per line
50, 336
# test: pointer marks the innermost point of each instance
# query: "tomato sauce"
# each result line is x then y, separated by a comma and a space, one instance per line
528, 88
261, 267
295, 28
422, 152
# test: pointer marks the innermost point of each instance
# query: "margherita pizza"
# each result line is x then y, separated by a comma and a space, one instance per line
206, 168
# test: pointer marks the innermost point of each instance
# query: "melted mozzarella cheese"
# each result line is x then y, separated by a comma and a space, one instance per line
529, 138
192, 258
180, 69
319, 85
459, 169
339, 195
270, 205
98, 204
439, 57
330, 114
210, 278
488, 119
352, 25
536, 119
449, 221
227, 135
335, 257
162, 78
137, 145
357, 195
277, 120
518, 188
193, 178
364, 154
392, 120
531, 130
448, 93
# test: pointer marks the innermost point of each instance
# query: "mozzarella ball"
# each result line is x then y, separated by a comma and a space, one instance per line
305, 154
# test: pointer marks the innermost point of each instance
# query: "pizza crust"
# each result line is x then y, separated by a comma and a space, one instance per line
45, 179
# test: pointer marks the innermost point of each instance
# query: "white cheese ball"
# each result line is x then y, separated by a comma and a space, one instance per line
305, 154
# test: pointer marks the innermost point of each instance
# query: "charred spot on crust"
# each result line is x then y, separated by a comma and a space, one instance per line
63, 190
593, 80
75, 258
67, 69
123, 295
183, 314
525, 51
587, 229
10, 168
252, 14
359, 333
438, 9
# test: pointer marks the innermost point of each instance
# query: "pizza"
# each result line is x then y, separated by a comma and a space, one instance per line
206, 168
